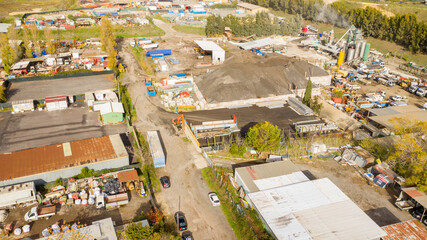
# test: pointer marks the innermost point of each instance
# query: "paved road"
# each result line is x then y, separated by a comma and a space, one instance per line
188, 192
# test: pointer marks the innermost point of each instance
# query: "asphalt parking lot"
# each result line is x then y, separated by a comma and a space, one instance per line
35, 129
61, 86
247, 117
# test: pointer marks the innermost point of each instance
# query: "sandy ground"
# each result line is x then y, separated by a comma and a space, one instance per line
374, 5
188, 192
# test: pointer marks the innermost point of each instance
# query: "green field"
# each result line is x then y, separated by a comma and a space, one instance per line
7, 7
190, 29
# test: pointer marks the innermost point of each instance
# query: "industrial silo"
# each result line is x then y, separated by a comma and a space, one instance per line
350, 54
366, 53
362, 49
357, 49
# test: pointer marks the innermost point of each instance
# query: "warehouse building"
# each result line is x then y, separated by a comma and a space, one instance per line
46, 164
315, 209
251, 8
209, 47
382, 118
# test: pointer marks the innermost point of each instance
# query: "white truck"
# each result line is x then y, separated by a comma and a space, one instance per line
35, 213
132, 43
422, 92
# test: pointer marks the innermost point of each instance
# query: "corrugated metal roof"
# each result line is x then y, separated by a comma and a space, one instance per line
209, 46
410, 230
262, 171
51, 158
385, 120
111, 107
249, 6
257, 43
127, 176
313, 210
273, 182
55, 99
20, 65
155, 145
4, 27
418, 196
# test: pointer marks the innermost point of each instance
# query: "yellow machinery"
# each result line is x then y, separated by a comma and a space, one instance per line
131, 186
340, 58
121, 68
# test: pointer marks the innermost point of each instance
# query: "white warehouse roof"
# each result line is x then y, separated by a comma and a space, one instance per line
208, 46
111, 107
313, 210
257, 43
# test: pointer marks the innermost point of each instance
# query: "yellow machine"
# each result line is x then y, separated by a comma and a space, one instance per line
340, 58
121, 68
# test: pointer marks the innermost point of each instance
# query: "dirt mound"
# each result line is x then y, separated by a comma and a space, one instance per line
246, 76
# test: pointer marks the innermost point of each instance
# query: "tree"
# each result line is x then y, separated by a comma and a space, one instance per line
12, 34
264, 136
307, 95
2, 95
27, 42
50, 45
35, 38
315, 105
135, 231
108, 41
7, 53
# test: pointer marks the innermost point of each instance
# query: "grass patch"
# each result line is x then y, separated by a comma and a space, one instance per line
147, 64
190, 29
150, 174
7, 7
239, 223
161, 18
127, 103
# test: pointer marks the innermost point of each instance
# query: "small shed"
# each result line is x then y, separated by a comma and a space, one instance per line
218, 54
156, 149
23, 105
56, 103
112, 112
129, 179
357, 156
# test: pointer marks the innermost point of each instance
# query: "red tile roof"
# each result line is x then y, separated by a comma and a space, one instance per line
128, 176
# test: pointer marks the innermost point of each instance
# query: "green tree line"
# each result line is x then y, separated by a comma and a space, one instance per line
260, 25
404, 30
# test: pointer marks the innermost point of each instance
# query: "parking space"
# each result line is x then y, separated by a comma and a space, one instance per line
57, 87
35, 129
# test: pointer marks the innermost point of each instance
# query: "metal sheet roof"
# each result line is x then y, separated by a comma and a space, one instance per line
111, 107
4, 27
249, 6
279, 181
155, 145
52, 158
410, 230
127, 176
209, 46
20, 65
257, 43
313, 210
386, 120
263, 171
417, 195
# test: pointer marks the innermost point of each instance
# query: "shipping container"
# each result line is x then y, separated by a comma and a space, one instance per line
159, 51
156, 149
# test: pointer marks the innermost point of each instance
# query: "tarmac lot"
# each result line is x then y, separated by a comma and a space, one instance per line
35, 129
56, 87
246, 117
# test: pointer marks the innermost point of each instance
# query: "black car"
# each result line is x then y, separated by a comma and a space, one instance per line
187, 236
417, 213
181, 221
165, 182
118, 57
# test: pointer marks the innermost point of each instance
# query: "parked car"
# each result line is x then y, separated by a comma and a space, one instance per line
422, 92
181, 221
214, 199
187, 236
417, 212
412, 89
165, 182
398, 98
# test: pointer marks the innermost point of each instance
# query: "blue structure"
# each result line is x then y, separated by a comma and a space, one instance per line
177, 75
156, 149
159, 51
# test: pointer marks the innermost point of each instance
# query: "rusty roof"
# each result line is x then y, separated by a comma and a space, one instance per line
127, 176
59, 156
405, 230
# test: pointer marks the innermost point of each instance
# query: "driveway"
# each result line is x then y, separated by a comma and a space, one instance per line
188, 191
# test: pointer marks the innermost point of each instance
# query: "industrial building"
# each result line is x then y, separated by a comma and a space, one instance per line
315, 209
209, 47
257, 80
270, 175
382, 117
17, 194
46, 164
112, 112
251, 8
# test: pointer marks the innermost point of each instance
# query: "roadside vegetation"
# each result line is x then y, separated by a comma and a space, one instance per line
190, 29
244, 222
161, 18
147, 64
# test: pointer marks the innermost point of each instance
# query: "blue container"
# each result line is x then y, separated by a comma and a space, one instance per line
177, 75
320, 34
159, 51
114, 13
181, 11
151, 94
170, 11
148, 84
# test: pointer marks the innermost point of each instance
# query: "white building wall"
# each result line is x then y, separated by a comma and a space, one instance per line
218, 57
46, 177
322, 80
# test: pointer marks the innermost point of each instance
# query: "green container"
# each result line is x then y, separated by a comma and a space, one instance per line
366, 53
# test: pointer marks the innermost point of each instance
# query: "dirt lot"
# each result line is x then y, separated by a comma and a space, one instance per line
35, 129
82, 214
374, 201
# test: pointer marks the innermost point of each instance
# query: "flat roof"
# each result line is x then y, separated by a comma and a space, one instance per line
409, 230
269, 175
313, 210
110, 107
17, 193
208, 46
60, 156
20, 65
4, 27
385, 120
155, 145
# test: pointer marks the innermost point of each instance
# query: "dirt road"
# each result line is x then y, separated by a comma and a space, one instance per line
188, 191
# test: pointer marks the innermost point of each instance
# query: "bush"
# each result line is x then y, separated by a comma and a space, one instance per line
236, 150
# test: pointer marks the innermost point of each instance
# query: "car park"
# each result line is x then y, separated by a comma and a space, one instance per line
214, 199
165, 182
181, 221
